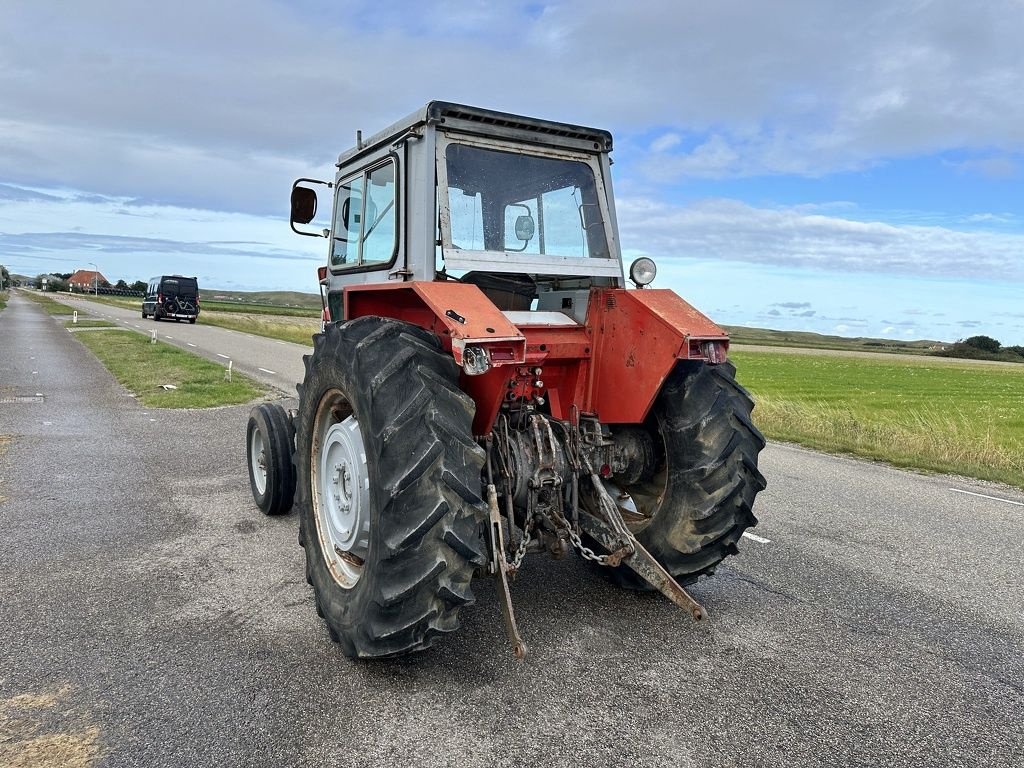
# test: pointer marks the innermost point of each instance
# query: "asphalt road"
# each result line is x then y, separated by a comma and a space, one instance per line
150, 616
271, 361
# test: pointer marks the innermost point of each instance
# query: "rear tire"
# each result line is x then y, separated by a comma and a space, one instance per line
269, 439
390, 513
701, 499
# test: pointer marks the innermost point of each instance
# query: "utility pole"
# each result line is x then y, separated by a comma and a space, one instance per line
95, 279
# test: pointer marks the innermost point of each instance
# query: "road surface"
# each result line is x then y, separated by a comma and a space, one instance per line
271, 361
150, 616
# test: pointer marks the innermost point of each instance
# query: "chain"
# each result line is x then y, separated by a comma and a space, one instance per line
585, 552
521, 551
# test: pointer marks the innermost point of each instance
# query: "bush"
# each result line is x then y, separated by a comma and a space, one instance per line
984, 343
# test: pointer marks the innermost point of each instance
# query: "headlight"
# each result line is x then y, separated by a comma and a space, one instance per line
642, 271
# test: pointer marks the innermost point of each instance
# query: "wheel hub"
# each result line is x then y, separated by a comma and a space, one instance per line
343, 508
258, 460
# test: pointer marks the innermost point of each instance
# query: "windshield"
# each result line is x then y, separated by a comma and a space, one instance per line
179, 287
507, 201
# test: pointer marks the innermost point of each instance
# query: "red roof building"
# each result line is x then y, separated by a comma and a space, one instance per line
86, 280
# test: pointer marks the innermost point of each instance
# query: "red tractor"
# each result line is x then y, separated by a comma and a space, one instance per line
485, 386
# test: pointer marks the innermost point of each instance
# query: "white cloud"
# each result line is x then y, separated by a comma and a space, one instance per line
665, 142
734, 231
223, 88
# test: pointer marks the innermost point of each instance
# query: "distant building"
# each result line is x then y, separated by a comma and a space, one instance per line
86, 280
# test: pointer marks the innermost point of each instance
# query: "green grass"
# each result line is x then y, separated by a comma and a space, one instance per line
48, 305
765, 337
294, 329
941, 415
218, 306
89, 323
3, 299
142, 367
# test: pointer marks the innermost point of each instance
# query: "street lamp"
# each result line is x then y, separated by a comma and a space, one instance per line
95, 279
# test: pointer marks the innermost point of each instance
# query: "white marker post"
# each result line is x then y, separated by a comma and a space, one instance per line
227, 371
74, 317
152, 337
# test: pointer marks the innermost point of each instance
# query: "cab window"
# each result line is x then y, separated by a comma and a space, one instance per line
365, 226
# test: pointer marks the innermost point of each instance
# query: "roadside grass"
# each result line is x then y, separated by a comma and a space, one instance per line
294, 329
233, 307
965, 419
294, 324
3, 299
142, 368
89, 323
49, 305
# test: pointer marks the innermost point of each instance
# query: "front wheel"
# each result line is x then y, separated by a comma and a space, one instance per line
691, 513
268, 442
390, 513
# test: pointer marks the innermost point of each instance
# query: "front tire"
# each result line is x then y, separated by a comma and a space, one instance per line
694, 509
389, 486
268, 447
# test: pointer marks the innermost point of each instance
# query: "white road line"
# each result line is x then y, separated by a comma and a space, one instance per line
190, 343
983, 496
168, 337
755, 537
267, 371
279, 342
224, 356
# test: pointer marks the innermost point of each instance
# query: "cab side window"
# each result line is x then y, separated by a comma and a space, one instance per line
365, 227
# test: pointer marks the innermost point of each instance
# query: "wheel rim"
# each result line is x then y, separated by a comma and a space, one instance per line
258, 460
341, 491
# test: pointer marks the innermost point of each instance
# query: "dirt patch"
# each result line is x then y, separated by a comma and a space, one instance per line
43, 730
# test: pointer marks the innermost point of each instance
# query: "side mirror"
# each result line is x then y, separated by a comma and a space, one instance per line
525, 228
304, 205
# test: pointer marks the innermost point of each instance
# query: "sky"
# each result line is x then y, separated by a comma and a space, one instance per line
854, 168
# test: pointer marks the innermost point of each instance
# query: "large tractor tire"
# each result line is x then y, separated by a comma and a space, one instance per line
389, 504
694, 509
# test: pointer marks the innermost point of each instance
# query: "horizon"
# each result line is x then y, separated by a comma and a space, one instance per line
846, 171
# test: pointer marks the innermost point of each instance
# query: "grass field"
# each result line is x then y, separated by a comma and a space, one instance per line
88, 323
142, 368
49, 305
3, 299
942, 415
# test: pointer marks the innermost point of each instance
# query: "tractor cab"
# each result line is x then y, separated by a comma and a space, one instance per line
520, 207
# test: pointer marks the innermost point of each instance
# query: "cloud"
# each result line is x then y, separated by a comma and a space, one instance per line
665, 142
734, 231
1001, 167
793, 304
219, 104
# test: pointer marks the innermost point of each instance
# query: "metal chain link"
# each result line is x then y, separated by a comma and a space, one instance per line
585, 552
521, 551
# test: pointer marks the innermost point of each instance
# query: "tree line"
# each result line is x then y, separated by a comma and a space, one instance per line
982, 348
58, 281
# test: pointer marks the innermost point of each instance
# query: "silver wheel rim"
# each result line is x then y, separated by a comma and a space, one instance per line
341, 497
258, 461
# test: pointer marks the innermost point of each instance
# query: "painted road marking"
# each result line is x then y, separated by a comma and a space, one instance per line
190, 343
266, 371
983, 496
224, 356
755, 537
280, 342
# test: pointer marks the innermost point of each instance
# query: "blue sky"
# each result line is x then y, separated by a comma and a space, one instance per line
850, 168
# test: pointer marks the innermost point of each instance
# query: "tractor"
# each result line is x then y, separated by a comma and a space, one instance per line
486, 386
